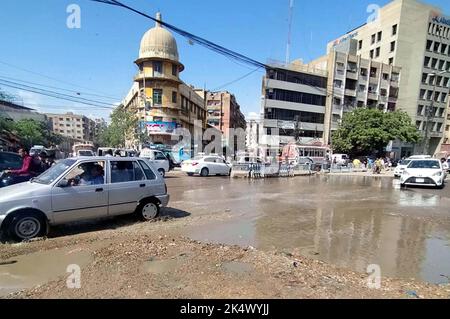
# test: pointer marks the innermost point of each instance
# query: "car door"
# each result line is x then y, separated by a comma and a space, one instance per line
80, 202
161, 161
210, 164
127, 186
221, 166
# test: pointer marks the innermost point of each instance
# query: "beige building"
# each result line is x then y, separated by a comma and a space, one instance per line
74, 126
161, 100
355, 82
416, 37
224, 113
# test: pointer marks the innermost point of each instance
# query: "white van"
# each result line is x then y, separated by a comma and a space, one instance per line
340, 159
157, 159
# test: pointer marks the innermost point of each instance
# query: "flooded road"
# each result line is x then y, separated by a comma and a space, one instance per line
351, 222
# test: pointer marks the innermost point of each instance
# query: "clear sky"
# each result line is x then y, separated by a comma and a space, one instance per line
99, 56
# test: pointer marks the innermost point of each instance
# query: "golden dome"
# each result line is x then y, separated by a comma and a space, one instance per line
158, 43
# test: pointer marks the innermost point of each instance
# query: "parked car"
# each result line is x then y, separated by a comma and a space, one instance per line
205, 165
401, 166
10, 161
423, 172
158, 159
79, 189
340, 159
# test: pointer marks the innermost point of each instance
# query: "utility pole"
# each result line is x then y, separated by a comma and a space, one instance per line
288, 46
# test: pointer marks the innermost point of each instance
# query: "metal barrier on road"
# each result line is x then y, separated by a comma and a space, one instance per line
255, 170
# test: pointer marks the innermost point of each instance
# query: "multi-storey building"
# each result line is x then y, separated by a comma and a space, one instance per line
77, 127
416, 37
356, 82
294, 99
161, 100
224, 113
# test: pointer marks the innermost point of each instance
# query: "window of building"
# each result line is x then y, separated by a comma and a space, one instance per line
441, 64
429, 95
446, 80
61, 119
444, 48
379, 36
377, 52
447, 67
383, 92
337, 101
391, 61
67, 119
174, 69
361, 88
439, 81
386, 76
337, 83
436, 47
439, 127
418, 125
373, 38
363, 71
373, 72
434, 63
422, 94
424, 78
429, 45
426, 62
443, 97
441, 112
371, 54
394, 29
174, 97
392, 46
157, 68
420, 110
157, 96
360, 44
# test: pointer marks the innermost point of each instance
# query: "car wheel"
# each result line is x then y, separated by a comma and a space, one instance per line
441, 186
162, 172
148, 211
26, 226
204, 172
190, 174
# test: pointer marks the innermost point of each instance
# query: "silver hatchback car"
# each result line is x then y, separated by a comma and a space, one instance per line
79, 189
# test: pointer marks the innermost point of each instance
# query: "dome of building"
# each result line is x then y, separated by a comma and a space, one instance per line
158, 43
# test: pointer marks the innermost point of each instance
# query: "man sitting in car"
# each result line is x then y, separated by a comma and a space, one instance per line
92, 175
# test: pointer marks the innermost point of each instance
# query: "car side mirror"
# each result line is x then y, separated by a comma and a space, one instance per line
64, 183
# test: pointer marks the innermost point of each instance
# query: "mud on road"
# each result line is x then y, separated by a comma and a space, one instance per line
123, 258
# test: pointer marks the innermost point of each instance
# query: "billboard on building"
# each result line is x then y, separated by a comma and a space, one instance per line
160, 127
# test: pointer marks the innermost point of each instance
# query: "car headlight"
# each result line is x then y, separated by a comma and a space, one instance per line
437, 174
405, 172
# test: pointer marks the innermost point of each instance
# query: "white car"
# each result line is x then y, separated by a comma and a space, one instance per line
401, 166
206, 166
423, 172
78, 189
158, 160
404, 163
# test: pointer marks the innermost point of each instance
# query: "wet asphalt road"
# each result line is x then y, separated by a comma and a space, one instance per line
348, 221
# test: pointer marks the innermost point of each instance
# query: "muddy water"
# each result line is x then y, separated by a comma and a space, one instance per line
27, 271
351, 222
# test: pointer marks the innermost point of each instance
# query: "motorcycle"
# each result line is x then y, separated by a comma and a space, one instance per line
8, 179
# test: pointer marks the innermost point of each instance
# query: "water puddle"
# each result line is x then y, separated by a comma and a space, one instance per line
27, 271
351, 222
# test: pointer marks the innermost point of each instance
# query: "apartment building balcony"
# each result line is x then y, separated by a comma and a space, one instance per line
372, 96
363, 78
385, 84
373, 80
350, 92
394, 83
351, 74
361, 95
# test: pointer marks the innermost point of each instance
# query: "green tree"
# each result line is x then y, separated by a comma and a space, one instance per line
365, 131
123, 127
30, 132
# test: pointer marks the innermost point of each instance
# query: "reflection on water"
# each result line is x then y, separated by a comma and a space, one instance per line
348, 221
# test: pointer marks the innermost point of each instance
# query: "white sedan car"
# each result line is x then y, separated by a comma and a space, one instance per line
206, 166
424, 172
402, 165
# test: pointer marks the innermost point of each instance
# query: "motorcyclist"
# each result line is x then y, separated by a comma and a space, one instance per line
26, 172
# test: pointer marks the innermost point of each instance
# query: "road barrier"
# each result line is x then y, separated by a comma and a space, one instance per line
256, 170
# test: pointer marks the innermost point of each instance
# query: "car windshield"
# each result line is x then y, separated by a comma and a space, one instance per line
54, 172
425, 164
404, 162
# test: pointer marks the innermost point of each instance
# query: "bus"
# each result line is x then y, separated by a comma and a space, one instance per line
302, 154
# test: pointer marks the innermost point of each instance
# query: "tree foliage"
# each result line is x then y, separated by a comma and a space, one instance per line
365, 131
123, 127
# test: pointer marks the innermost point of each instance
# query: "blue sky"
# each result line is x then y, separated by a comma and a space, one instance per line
99, 56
